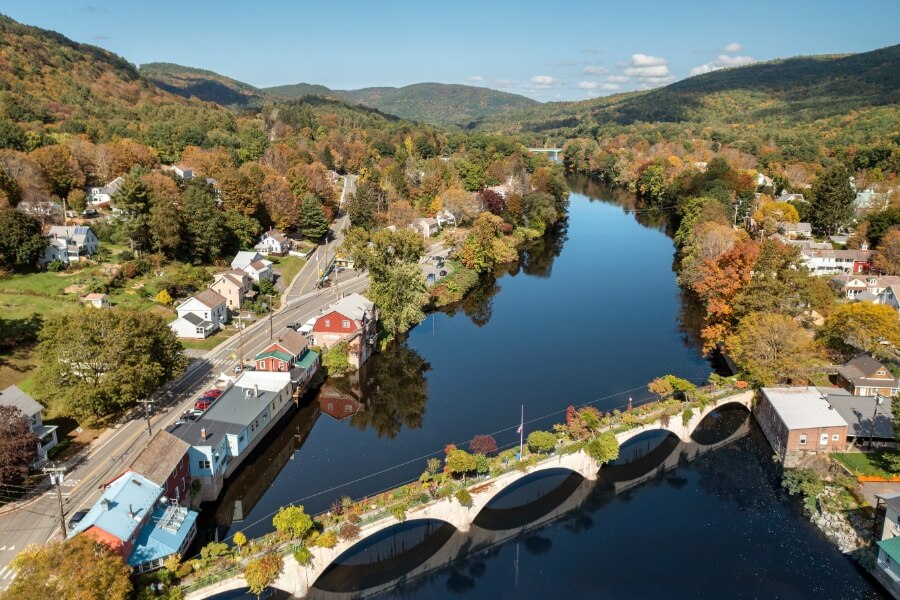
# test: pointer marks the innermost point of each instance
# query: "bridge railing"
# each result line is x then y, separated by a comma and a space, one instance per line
396, 501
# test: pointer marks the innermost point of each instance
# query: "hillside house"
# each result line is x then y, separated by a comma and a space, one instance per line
351, 320
235, 286
183, 171
274, 242
798, 421
103, 195
865, 376
46, 434
795, 231
825, 262
200, 316
96, 300
70, 244
253, 263
426, 227
850, 286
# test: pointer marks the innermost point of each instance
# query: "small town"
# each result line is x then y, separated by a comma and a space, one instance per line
449, 322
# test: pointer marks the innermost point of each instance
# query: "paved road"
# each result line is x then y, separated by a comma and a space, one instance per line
38, 520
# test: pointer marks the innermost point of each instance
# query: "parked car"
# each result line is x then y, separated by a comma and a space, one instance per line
294, 326
77, 518
89, 212
443, 273
212, 394
203, 404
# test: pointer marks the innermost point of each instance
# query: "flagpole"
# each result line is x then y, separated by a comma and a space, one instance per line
521, 432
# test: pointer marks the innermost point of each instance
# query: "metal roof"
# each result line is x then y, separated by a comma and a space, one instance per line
803, 407
13, 396
124, 504
891, 547
163, 535
858, 411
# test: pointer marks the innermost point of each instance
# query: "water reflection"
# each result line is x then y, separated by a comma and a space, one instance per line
394, 389
650, 217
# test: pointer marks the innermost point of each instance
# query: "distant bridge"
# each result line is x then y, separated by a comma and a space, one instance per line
553, 152
297, 579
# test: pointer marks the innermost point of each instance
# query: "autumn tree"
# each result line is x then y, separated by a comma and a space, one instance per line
863, 326
603, 448
483, 444
773, 348
18, 445
484, 247
718, 282
492, 201
541, 441
292, 522
887, 255
94, 364
778, 211
779, 283
460, 462
60, 168
76, 200
661, 387
462, 204
262, 572
21, 244
375, 252
79, 568
831, 203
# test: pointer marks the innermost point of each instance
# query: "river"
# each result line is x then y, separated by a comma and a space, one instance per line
590, 315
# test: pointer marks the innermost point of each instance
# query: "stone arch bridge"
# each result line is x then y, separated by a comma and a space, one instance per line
297, 579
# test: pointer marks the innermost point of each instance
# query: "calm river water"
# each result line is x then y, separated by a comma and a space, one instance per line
590, 316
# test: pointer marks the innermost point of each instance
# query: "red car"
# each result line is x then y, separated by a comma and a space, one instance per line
203, 403
212, 394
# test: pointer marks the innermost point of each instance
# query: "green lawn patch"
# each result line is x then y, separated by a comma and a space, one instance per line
288, 267
873, 464
210, 342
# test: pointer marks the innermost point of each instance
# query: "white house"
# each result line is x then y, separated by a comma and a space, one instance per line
100, 195
244, 258
794, 231
70, 244
253, 263
888, 564
183, 171
273, 242
96, 300
851, 286
825, 262
200, 316
445, 217
46, 434
426, 227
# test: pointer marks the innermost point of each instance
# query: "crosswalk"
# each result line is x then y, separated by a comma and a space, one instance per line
7, 574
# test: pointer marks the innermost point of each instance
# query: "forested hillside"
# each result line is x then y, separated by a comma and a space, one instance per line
202, 84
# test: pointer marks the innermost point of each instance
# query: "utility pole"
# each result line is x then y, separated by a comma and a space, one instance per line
271, 314
57, 475
147, 402
241, 334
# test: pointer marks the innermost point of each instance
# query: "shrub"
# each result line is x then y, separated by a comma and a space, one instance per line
482, 465
603, 448
686, 416
541, 441
327, 539
292, 522
349, 532
464, 497
55, 266
398, 511
303, 555
460, 462
806, 482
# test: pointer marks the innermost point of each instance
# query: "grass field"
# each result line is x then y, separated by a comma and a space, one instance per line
870, 463
288, 267
210, 342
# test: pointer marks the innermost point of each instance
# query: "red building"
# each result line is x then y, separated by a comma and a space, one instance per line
351, 320
337, 404
283, 353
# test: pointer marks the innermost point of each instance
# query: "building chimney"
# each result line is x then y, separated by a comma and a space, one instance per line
105, 503
255, 390
203, 433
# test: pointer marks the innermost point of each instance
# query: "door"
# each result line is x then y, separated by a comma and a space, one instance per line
823, 439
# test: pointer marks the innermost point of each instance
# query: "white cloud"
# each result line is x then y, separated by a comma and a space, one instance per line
504, 83
722, 61
475, 78
642, 72
595, 70
645, 60
609, 87
733, 47
545, 81
649, 71
596, 85
618, 79
588, 85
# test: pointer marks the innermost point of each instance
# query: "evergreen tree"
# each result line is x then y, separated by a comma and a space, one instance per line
204, 223
832, 199
21, 244
133, 199
313, 224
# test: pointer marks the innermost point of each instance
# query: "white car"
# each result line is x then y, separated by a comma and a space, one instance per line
307, 327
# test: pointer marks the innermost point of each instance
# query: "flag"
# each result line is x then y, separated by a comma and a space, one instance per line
519, 430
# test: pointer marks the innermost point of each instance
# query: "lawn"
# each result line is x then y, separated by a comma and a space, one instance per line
288, 267
210, 342
871, 463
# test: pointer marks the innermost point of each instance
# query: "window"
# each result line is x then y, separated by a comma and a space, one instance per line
204, 464
802, 439
281, 365
327, 322
835, 437
241, 438
346, 324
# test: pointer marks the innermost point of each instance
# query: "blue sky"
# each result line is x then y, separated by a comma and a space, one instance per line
545, 50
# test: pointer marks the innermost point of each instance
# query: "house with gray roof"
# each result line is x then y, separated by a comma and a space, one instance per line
103, 195
46, 434
798, 421
200, 316
865, 376
232, 427
866, 416
70, 244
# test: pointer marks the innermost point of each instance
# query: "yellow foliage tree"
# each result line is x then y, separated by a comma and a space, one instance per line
437, 205
164, 298
780, 211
